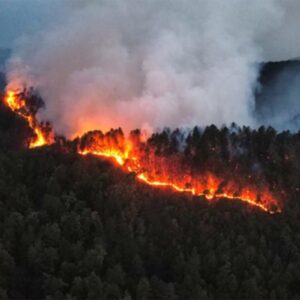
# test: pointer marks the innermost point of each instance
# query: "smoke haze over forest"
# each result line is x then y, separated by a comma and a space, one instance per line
151, 64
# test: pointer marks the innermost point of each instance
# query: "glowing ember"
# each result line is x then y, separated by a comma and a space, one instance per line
18, 105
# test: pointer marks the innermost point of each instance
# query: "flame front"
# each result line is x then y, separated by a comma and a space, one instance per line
151, 168
18, 105
206, 185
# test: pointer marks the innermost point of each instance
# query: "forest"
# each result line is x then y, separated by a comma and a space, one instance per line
77, 227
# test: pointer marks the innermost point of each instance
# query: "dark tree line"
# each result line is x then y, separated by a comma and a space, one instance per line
259, 158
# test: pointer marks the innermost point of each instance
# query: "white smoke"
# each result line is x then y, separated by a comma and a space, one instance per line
154, 63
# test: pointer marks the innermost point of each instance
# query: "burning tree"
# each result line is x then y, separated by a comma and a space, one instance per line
213, 163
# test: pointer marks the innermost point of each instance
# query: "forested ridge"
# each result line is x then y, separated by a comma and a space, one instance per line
76, 227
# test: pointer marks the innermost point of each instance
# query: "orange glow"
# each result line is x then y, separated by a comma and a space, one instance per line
135, 155
40, 139
18, 105
208, 187
13, 102
109, 154
246, 197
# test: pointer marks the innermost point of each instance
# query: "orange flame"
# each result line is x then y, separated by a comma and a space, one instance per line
18, 105
209, 188
126, 155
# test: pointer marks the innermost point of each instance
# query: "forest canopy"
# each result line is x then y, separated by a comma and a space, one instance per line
76, 227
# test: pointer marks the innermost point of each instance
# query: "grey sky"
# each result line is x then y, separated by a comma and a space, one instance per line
23, 17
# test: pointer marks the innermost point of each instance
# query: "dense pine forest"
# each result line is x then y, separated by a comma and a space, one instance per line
76, 227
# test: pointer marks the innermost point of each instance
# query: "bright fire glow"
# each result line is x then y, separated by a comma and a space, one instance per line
209, 190
151, 169
18, 105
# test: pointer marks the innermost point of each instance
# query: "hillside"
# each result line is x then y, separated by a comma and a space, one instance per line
78, 228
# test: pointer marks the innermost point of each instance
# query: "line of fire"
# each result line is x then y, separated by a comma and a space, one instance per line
182, 162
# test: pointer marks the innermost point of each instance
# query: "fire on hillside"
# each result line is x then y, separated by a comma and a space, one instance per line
158, 161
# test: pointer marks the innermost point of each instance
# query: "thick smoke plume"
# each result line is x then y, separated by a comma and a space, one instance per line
152, 63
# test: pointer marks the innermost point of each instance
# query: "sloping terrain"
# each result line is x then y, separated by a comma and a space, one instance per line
80, 228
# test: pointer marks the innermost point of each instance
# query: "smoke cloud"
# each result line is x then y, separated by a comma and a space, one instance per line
152, 63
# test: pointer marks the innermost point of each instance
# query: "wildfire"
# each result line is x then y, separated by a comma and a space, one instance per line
208, 185
155, 170
209, 191
212, 194
19, 106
